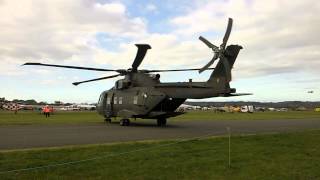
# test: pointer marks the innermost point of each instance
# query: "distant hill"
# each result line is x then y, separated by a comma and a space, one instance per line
284, 104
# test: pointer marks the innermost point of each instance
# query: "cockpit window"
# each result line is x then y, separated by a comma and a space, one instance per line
155, 76
100, 98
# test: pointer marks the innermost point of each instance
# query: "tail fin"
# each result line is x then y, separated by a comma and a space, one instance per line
222, 72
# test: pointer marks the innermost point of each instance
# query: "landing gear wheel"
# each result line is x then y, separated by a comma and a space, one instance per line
124, 122
161, 122
107, 120
127, 122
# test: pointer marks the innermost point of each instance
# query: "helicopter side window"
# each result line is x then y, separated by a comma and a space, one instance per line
100, 98
120, 100
135, 99
115, 101
108, 100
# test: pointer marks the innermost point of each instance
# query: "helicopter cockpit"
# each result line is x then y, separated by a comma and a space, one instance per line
122, 84
155, 77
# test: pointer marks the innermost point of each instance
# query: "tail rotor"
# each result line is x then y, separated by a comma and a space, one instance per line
219, 51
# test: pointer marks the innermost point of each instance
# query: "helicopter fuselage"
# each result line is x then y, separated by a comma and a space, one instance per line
141, 95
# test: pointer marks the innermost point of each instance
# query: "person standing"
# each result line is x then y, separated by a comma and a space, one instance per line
47, 111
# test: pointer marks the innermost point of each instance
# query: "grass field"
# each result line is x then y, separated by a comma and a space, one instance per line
9, 118
29, 117
272, 156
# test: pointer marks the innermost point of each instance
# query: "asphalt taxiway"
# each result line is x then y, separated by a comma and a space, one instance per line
32, 136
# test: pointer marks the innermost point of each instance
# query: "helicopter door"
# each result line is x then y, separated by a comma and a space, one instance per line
109, 104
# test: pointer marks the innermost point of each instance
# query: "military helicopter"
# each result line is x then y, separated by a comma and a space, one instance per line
140, 94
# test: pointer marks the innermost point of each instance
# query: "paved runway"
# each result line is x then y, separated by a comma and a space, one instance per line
30, 136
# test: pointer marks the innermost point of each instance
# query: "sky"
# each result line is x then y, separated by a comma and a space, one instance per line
280, 59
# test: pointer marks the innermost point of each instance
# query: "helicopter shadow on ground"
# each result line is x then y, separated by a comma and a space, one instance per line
134, 124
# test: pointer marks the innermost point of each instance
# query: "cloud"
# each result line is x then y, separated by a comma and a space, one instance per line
65, 32
277, 36
59, 30
274, 41
151, 7
167, 52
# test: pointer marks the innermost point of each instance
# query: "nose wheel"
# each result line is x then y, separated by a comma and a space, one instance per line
162, 122
124, 122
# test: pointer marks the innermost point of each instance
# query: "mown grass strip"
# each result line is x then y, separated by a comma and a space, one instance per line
272, 156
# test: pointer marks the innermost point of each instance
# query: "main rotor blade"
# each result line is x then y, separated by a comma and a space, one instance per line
209, 64
97, 79
208, 43
171, 70
227, 34
71, 67
142, 50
